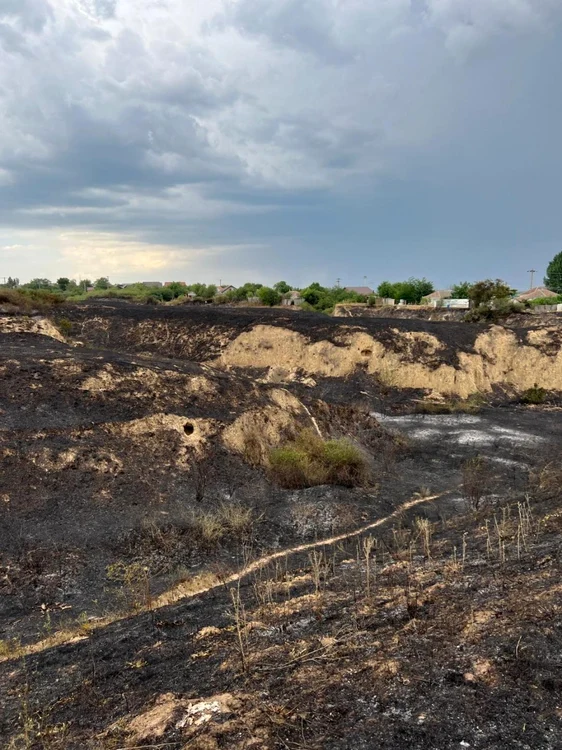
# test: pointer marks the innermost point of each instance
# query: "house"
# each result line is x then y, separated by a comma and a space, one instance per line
538, 292
365, 291
169, 283
225, 289
438, 295
293, 298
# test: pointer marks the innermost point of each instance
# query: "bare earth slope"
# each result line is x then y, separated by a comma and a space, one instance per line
451, 359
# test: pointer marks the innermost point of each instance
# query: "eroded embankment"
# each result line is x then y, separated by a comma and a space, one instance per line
416, 359
446, 358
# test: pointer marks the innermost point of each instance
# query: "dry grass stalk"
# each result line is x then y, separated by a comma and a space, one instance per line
240, 621
368, 545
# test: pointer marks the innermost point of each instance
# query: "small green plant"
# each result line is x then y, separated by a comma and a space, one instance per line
65, 326
309, 461
534, 396
134, 580
238, 518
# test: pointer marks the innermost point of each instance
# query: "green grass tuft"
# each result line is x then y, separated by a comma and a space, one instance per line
309, 461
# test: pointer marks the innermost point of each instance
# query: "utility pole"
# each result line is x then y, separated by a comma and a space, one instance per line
532, 272
338, 283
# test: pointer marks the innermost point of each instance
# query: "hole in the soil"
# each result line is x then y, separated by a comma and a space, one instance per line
188, 428
366, 352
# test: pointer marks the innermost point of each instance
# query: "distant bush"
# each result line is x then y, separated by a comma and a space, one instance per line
27, 300
495, 311
309, 461
534, 395
546, 301
268, 296
65, 326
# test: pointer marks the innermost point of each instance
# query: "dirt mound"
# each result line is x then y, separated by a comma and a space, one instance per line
21, 324
441, 359
415, 359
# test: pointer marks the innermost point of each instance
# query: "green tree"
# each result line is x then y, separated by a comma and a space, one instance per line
202, 290
412, 291
38, 284
102, 283
387, 290
73, 287
63, 283
314, 293
553, 278
485, 292
461, 290
269, 296
11, 283
282, 287
246, 290
178, 288
420, 288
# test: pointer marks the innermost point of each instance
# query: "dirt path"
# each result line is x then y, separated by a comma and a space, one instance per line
185, 591
174, 595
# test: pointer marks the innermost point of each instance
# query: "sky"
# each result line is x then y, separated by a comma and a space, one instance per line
305, 140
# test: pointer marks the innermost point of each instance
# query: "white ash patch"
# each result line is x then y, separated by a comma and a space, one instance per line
199, 713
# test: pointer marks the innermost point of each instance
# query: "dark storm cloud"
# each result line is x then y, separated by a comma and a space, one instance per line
290, 123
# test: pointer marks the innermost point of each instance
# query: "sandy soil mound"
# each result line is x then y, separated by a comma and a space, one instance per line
414, 361
255, 432
439, 358
19, 324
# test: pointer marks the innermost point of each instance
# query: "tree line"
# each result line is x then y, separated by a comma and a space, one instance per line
313, 297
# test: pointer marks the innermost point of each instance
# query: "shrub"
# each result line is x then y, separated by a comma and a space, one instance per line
27, 300
534, 395
269, 296
290, 467
492, 312
238, 519
546, 301
65, 326
309, 461
476, 480
545, 480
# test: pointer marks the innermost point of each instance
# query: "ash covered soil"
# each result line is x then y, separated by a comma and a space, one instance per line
135, 487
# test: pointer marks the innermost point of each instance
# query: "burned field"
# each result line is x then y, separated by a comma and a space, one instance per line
249, 529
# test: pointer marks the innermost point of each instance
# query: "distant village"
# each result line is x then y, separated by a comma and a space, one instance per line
483, 296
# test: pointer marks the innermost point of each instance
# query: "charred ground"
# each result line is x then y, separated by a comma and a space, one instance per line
135, 487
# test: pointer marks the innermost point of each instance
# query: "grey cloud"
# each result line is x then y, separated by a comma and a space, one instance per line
304, 25
103, 9
163, 117
12, 41
32, 15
